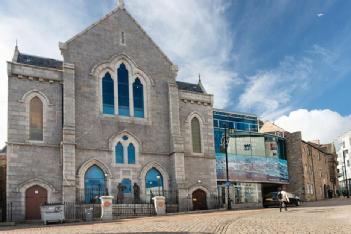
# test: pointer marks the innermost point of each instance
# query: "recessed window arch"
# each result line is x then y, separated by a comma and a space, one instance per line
154, 182
119, 153
108, 102
127, 185
123, 90
36, 119
125, 149
196, 135
131, 154
138, 97
94, 184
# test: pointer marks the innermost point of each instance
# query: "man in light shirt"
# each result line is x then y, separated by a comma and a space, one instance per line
283, 199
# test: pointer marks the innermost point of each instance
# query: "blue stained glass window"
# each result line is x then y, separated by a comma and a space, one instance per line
125, 138
127, 185
131, 154
119, 153
138, 96
123, 91
108, 94
154, 181
94, 184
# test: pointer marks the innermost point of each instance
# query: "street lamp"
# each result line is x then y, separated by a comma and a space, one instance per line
226, 140
347, 184
158, 184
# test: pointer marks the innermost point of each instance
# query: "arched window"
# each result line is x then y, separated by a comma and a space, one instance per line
123, 91
119, 153
36, 119
196, 135
138, 96
154, 182
94, 184
131, 154
108, 102
127, 186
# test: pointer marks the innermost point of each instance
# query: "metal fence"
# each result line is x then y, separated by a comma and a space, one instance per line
132, 210
81, 211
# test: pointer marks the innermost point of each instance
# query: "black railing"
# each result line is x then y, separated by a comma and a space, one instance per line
81, 211
132, 210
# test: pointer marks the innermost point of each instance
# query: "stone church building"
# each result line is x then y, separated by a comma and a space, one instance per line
110, 114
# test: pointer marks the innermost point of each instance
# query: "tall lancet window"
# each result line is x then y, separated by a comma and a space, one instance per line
123, 91
138, 96
196, 135
108, 94
36, 119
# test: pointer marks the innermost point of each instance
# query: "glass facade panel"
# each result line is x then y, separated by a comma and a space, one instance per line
36, 119
252, 156
196, 135
245, 193
154, 182
94, 184
131, 154
127, 186
119, 153
138, 96
123, 90
108, 102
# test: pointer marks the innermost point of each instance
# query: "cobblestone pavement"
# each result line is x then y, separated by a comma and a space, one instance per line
333, 216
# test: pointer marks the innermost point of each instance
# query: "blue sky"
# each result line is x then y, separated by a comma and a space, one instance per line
277, 59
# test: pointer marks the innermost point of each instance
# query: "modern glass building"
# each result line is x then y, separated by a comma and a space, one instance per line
257, 162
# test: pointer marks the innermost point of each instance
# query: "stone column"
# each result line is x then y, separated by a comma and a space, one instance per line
106, 207
68, 143
177, 148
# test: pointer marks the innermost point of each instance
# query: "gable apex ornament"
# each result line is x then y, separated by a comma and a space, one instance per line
121, 4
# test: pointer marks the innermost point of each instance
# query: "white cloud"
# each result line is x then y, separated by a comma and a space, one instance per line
325, 125
195, 35
269, 93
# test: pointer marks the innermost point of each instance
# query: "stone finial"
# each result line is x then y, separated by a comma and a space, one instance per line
16, 53
121, 4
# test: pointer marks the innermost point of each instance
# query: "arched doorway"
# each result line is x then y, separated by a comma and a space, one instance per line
94, 184
199, 200
35, 197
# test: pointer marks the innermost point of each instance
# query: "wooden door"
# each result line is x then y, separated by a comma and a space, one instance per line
199, 200
35, 197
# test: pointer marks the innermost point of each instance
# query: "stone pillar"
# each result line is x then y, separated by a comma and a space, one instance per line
106, 207
68, 143
160, 205
177, 148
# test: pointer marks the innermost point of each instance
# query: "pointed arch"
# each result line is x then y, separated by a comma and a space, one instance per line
138, 98
159, 168
194, 125
89, 163
108, 102
36, 119
196, 135
123, 90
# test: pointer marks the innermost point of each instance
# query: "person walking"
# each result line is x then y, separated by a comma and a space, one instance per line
283, 200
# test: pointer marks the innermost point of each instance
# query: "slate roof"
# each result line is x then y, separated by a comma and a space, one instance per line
189, 87
39, 61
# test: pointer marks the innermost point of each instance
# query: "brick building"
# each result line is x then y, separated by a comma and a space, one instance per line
109, 118
312, 169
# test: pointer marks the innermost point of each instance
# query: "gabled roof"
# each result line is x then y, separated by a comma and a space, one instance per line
116, 11
39, 61
189, 87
